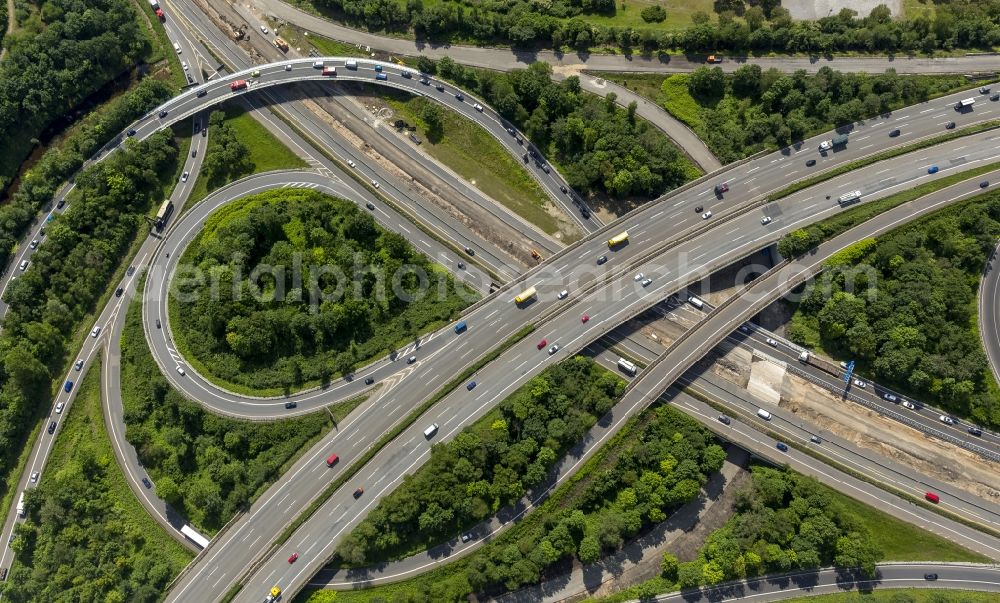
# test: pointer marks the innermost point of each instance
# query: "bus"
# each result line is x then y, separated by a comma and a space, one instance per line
618, 240
627, 367
20, 506
525, 295
164, 214
194, 536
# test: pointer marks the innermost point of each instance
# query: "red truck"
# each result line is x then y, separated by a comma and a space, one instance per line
238, 85
160, 15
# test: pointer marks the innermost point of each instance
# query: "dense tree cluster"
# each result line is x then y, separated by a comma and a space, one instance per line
226, 157
67, 51
208, 467
754, 109
639, 478
69, 272
762, 27
79, 544
332, 289
904, 306
599, 146
491, 463
783, 522
38, 185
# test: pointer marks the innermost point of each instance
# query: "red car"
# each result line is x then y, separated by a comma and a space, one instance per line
293, 557
932, 497
542, 344
332, 460
584, 318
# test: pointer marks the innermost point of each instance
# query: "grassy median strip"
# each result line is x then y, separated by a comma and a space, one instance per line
400, 427
749, 420
865, 161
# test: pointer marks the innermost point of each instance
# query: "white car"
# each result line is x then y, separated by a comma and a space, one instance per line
351, 163
59, 407
946, 420
890, 397
375, 183
908, 404
646, 282
288, 67
95, 332
640, 276
478, 107
772, 342
180, 370
706, 215
554, 349
765, 220
826, 145
34, 244
184, 64
34, 477
79, 364
563, 294
184, 177
264, 30
860, 383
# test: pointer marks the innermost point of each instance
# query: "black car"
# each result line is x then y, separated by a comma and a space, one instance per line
470, 251
602, 259
975, 431
52, 427
995, 97
440, 88
204, 131
698, 209
407, 75
930, 576
525, 157
61, 203
290, 404
894, 133
370, 205
131, 132
147, 483
984, 184
119, 291
459, 97
510, 131
425, 81
369, 381
811, 163
950, 125
585, 213
157, 323
202, 93
562, 188
545, 168
724, 420
130, 271
163, 114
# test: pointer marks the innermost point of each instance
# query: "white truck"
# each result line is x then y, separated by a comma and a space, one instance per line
20, 506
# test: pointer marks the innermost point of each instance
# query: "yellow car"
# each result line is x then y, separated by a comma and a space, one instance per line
255, 73
275, 594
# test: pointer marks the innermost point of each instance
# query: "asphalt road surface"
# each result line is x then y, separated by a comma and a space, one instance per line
989, 311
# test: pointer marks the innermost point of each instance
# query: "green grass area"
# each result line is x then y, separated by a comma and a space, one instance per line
628, 14
902, 595
265, 151
144, 552
163, 426
464, 147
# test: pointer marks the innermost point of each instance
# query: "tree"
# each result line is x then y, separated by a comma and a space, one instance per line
669, 566
653, 14
590, 549
689, 574
707, 84
433, 117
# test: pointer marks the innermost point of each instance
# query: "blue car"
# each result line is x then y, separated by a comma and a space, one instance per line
932, 170
68, 386
381, 76
471, 386
782, 446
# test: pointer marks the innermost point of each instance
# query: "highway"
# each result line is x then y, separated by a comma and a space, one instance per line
606, 310
989, 312
833, 158
950, 576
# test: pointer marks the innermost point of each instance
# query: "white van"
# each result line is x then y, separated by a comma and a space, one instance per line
431, 430
697, 303
804, 356
24, 265
763, 414
177, 47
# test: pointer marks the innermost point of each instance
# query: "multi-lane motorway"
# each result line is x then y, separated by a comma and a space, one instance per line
648, 228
